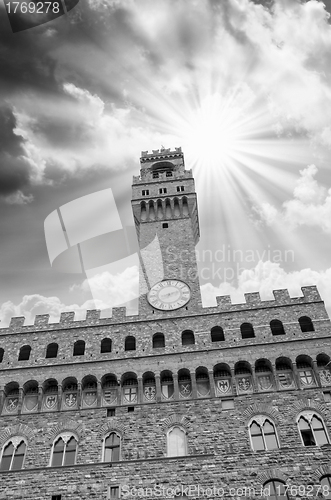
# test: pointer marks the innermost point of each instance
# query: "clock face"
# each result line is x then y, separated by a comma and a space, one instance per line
168, 295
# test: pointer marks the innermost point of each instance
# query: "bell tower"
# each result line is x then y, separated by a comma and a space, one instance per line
164, 204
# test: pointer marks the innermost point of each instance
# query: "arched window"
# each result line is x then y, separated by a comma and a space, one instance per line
312, 430
176, 442
275, 490
13, 454
51, 351
112, 448
79, 348
158, 340
105, 345
247, 331
188, 337
277, 327
64, 450
24, 354
326, 486
130, 343
217, 334
2, 352
263, 434
306, 324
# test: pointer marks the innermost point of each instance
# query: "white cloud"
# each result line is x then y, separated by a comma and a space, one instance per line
18, 198
268, 276
310, 206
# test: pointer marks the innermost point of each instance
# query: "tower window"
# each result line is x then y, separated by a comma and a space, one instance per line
165, 225
168, 174
56, 497
145, 192
155, 175
277, 327
247, 331
306, 324
51, 351
24, 354
180, 188
79, 348
130, 343
162, 190
113, 493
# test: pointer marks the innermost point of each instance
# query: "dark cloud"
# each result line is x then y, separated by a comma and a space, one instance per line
14, 169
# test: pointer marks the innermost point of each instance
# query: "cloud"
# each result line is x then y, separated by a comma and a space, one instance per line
310, 206
15, 169
267, 276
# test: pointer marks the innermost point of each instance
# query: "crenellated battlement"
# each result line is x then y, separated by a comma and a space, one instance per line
224, 304
161, 154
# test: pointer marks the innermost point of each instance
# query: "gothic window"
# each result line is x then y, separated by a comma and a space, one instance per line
105, 345
1, 354
176, 442
162, 190
306, 324
312, 430
13, 454
113, 492
217, 334
145, 192
24, 354
277, 327
188, 337
247, 331
158, 340
130, 343
112, 448
64, 450
275, 490
263, 434
51, 351
79, 348
180, 188
326, 486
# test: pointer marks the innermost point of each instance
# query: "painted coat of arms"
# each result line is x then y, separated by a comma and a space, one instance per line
203, 387
50, 401
223, 386
306, 377
130, 394
70, 399
89, 398
11, 404
31, 401
150, 392
167, 391
244, 384
185, 389
285, 379
325, 377
265, 382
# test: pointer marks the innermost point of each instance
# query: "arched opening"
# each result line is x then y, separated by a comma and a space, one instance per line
130, 343
105, 345
158, 340
217, 334
24, 354
277, 327
247, 331
52, 350
79, 348
188, 337
306, 324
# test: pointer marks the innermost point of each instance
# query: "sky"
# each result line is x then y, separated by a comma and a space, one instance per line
242, 86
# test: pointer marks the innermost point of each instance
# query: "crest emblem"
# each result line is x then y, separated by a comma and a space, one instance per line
12, 404
325, 377
223, 386
150, 392
265, 382
130, 394
185, 389
203, 387
31, 401
90, 398
167, 391
50, 402
110, 395
285, 379
306, 377
70, 399
244, 384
